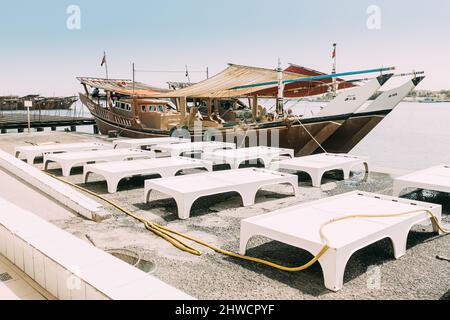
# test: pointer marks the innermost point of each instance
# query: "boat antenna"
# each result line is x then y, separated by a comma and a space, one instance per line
280, 89
333, 71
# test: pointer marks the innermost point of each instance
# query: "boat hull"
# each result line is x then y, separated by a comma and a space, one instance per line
303, 138
352, 131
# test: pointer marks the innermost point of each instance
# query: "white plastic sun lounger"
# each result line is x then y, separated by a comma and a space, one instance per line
118, 170
31, 152
69, 160
186, 189
177, 149
234, 157
316, 165
139, 143
299, 226
435, 178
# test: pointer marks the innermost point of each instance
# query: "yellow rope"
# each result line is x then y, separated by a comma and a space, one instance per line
170, 234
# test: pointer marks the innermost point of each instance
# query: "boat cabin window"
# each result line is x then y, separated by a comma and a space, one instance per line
122, 105
150, 108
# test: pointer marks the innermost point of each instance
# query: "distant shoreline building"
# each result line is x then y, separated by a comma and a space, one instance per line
39, 102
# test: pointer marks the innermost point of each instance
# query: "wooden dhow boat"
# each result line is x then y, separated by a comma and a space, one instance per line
137, 110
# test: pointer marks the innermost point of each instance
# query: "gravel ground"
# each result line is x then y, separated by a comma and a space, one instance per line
371, 273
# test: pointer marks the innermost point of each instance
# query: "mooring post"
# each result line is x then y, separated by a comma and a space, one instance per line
95, 129
53, 128
39, 129
73, 128
4, 130
20, 130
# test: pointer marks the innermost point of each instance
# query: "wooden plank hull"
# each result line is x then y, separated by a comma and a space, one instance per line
351, 133
293, 136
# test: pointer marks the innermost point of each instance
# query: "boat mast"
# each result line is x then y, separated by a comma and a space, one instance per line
334, 87
134, 71
106, 66
280, 98
105, 62
187, 73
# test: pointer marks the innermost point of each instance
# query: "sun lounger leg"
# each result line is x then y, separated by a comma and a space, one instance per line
333, 267
66, 169
248, 197
244, 238
113, 184
86, 176
46, 165
434, 225
316, 179
399, 240
184, 207
147, 195
296, 190
30, 159
266, 162
397, 189
346, 173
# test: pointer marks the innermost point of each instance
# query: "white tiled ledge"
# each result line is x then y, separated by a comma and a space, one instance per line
57, 190
68, 267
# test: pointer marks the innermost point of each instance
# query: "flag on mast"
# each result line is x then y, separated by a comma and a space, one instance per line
103, 60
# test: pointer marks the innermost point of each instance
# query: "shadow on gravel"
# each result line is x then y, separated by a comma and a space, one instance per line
446, 296
433, 197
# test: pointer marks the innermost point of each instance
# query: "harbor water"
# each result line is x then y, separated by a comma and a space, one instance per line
414, 136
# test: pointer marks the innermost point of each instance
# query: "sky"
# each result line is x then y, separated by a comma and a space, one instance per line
40, 54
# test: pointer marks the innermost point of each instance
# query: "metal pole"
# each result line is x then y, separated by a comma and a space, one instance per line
29, 122
106, 65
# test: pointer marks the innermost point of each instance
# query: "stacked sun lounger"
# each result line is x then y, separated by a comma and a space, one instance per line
31, 152
113, 172
435, 178
69, 160
148, 142
186, 189
178, 149
235, 157
317, 165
